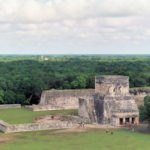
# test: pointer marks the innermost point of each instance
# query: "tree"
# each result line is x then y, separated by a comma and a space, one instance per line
21, 99
22, 78
139, 82
10, 97
79, 82
145, 110
2, 97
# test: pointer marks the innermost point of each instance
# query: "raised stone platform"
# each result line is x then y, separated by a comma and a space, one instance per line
10, 106
7, 128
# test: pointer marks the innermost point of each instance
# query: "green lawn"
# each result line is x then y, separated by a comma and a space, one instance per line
91, 140
48, 140
21, 115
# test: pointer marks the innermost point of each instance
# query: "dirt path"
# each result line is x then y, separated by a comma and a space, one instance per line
8, 137
5, 138
87, 127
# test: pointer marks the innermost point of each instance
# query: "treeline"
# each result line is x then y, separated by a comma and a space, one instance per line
22, 78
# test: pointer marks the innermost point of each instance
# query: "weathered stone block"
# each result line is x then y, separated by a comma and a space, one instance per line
10, 106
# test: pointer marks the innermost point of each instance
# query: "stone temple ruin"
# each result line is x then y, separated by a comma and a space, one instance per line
111, 104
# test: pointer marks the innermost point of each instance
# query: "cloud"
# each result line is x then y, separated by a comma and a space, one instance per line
74, 24
55, 10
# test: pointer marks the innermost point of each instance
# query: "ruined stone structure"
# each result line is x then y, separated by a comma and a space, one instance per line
60, 99
68, 99
139, 94
8, 128
111, 104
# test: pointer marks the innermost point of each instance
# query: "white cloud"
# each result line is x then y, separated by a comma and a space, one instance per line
77, 24
52, 10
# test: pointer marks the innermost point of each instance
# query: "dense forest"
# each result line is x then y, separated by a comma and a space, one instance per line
22, 78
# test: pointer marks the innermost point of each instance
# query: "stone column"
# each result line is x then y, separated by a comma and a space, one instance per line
137, 120
124, 120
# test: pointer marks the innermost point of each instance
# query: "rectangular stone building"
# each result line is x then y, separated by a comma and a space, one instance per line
111, 103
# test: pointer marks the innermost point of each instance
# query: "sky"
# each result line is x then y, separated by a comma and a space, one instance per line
74, 26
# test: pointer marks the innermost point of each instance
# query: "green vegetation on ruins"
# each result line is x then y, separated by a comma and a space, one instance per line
145, 110
21, 115
22, 78
91, 140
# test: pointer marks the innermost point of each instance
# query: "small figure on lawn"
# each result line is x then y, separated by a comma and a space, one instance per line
81, 124
107, 131
52, 117
112, 133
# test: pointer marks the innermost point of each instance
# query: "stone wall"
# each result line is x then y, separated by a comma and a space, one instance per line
10, 106
86, 109
50, 107
7, 128
139, 94
68, 99
3, 126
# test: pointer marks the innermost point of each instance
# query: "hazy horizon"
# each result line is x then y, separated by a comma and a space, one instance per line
75, 54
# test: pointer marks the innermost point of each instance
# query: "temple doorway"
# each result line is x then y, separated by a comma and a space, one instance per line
127, 120
133, 120
121, 121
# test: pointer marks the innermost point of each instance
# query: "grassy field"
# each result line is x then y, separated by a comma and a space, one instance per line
21, 115
51, 140
91, 140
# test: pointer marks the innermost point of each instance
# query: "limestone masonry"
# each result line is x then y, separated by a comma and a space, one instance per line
68, 99
111, 104
139, 94
10, 106
60, 99
8, 128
